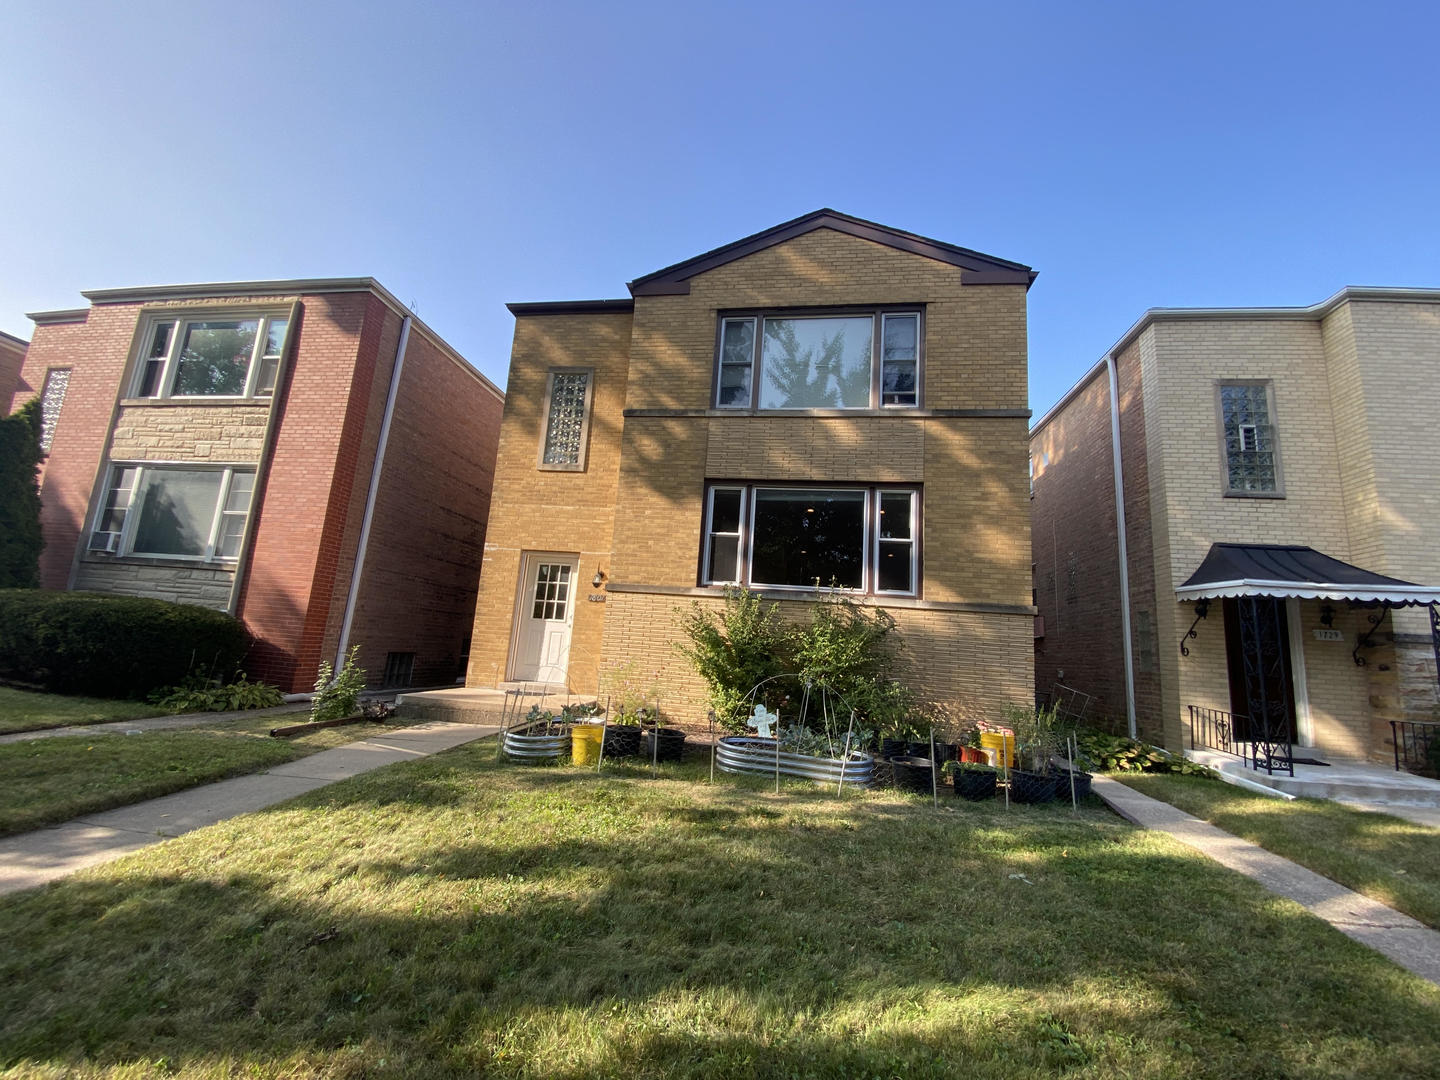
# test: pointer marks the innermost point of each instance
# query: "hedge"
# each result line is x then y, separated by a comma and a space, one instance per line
112, 646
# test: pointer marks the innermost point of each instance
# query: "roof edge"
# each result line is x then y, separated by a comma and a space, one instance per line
226, 289
14, 340
674, 279
571, 307
62, 315
1312, 312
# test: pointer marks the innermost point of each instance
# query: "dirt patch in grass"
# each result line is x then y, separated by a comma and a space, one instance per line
52, 780
458, 917
26, 710
1385, 858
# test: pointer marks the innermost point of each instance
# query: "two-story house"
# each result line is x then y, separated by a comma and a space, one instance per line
827, 402
1231, 511
307, 455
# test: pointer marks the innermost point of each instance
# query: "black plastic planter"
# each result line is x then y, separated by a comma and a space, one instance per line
913, 773
671, 748
976, 785
1029, 787
622, 741
1082, 784
893, 748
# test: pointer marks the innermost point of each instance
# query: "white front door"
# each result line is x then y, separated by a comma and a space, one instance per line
547, 610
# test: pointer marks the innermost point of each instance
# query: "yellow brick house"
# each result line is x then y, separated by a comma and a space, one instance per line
659, 447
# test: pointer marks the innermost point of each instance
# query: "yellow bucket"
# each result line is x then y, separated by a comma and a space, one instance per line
585, 740
1002, 743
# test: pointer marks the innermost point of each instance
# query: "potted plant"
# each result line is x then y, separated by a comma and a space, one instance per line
543, 734
972, 780
622, 737
970, 751
662, 743
913, 773
1038, 740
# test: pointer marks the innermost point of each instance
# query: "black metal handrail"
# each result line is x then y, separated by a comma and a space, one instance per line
1412, 739
1214, 729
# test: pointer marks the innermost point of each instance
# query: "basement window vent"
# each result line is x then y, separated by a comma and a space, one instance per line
399, 669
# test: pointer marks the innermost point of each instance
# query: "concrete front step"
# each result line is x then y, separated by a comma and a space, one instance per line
1352, 781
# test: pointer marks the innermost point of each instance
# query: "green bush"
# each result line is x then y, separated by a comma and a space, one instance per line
1115, 753
112, 646
200, 694
20, 541
736, 649
338, 696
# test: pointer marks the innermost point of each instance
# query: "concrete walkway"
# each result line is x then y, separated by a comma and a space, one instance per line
178, 722
33, 858
1408, 943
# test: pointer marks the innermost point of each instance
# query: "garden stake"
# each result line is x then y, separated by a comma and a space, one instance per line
1074, 802
604, 727
844, 760
712, 746
1005, 762
504, 727
777, 755
655, 740
934, 784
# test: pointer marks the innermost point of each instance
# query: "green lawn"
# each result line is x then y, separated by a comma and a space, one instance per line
1386, 858
455, 917
52, 780
24, 710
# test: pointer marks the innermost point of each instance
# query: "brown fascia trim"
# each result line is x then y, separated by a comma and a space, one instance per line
571, 307
980, 269
55, 318
235, 290
1312, 313
14, 340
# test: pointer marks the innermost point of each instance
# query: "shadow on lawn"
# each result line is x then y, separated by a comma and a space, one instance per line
792, 936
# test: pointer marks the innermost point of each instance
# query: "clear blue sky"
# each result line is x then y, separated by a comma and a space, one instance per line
470, 154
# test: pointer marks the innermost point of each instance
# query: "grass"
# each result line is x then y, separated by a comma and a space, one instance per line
55, 779
25, 710
1380, 856
455, 917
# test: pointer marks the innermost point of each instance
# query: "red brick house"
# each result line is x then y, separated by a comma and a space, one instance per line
306, 455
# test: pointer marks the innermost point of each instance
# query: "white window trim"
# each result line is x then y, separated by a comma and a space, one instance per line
869, 572
877, 314
179, 321
137, 504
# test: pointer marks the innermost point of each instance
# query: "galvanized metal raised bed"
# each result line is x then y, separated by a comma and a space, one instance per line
527, 743
749, 754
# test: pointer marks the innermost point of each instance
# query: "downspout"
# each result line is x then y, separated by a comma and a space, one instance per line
356, 573
1124, 553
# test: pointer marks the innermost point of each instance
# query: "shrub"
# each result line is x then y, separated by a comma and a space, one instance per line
112, 646
338, 696
1115, 753
734, 650
20, 541
201, 694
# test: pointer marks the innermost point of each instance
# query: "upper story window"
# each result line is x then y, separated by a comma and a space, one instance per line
174, 511
210, 357
52, 397
1251, 453
834, 360
861, 538
567, 419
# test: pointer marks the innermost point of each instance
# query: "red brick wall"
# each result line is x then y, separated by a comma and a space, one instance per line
95, 350
1077, 575
427, 536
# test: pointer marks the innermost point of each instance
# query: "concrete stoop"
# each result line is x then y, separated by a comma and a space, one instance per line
1346, 780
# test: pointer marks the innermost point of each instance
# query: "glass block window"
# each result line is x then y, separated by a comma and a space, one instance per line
1250, 458
57, 381
565, 425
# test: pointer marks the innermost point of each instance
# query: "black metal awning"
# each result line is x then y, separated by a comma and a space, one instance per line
1291, 570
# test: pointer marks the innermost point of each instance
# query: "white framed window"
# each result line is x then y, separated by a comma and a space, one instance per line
860, 539
174, 511
819, 360
568, 393
210, 356
1248, 444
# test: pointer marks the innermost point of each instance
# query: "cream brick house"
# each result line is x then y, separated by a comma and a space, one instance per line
1272, 489
656, 448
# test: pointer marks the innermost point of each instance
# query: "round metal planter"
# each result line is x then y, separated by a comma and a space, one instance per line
748, 754
534, 747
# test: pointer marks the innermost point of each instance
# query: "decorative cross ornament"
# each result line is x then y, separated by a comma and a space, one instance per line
761, 720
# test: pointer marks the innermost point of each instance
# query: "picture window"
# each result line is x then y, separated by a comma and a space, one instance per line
174, 512
211, 357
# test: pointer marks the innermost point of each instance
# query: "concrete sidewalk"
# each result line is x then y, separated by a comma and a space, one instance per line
1408, 943
34, 858
178, 722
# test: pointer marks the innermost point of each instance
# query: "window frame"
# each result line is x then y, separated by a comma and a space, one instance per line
877, 313
179, 321
1278, 492
546, 403
124, 546
870, 543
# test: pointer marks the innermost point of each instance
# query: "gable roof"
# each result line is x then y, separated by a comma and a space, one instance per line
978, 268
